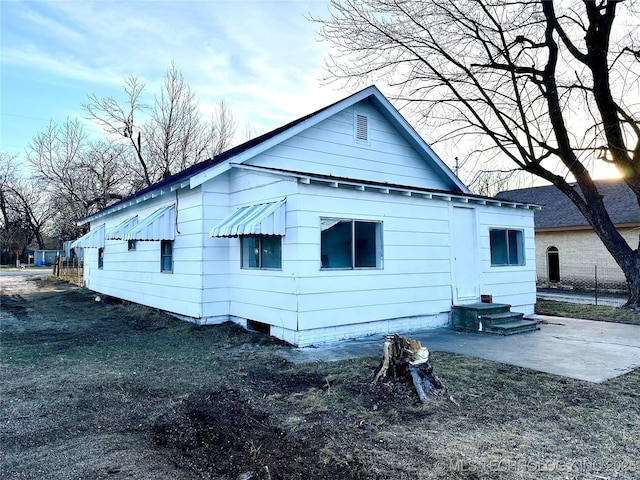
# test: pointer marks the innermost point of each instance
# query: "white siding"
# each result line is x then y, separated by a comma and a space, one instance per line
215, 255
330, 148
514, 285
302, 302
414, 280
136, 276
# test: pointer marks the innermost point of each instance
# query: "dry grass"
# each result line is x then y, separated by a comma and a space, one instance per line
121, 391
587, 312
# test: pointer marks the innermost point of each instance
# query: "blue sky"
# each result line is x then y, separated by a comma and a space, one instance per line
262, 57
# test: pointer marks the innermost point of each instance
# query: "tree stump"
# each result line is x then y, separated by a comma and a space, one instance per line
407, 358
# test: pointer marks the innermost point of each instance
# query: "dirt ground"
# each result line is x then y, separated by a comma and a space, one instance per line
114, 390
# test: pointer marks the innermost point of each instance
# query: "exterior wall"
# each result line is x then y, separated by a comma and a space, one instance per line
304, 304
414, 281
136, 276
513, 285
330, 148
579, 252
215, 255
266, 296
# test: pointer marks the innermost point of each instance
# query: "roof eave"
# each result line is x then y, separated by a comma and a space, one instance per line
184, 183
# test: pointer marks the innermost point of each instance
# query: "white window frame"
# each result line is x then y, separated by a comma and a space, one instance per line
260, 239
162, 256
520, 245
379, 244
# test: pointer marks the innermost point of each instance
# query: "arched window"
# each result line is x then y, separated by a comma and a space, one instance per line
553, 264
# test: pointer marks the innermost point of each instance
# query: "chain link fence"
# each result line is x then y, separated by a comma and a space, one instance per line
593, 279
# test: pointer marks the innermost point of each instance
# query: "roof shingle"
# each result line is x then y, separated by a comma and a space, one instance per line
558, 211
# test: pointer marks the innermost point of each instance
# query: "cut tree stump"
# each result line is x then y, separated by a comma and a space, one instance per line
407, 358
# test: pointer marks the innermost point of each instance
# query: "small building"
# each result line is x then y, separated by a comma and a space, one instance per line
340, 224
46, 257
568, 251
71, 253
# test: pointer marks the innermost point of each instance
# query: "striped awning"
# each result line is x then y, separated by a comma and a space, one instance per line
117, 232
93, 239
262, 219
160, 225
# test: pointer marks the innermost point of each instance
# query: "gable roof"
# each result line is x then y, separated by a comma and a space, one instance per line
203, 171
559, 212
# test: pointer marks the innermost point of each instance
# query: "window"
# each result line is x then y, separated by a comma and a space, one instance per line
131, 245
166, 256
261, 251
100, 258
507, 247
350, 244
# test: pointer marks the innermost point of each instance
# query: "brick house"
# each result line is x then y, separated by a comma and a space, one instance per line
568, 251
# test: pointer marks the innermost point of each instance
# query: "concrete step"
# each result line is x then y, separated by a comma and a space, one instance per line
499, 318
466, 317
483, 308
510, 328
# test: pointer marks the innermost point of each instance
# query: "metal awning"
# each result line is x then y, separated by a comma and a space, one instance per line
117, 232
93, 239
160, 225
262, 219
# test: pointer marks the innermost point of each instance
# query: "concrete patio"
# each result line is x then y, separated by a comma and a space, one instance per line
581, 349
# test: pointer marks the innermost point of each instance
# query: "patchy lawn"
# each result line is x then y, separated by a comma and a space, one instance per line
94, 390
587, 312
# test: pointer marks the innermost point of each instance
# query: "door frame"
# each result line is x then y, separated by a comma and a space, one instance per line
472, 268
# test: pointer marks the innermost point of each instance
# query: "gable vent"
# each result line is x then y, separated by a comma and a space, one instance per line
362, 128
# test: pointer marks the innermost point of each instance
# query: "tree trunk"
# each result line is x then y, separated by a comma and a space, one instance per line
407, 358
633, 283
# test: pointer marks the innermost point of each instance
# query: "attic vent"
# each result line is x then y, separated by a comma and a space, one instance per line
362, 128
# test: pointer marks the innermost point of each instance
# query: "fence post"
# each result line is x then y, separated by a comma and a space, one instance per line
596, 293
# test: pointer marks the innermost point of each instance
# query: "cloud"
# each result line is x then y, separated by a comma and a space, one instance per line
261, 56
62, 65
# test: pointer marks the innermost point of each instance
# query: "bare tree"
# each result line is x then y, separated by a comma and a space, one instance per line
120, 121
249, 131
552, 87
176, 134
223, 128
79, 177
26, 210
13, 234
32, 203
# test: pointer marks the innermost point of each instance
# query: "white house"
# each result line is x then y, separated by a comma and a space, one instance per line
340, 224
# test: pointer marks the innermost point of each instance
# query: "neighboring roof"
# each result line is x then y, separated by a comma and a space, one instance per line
201, 172
558, 211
